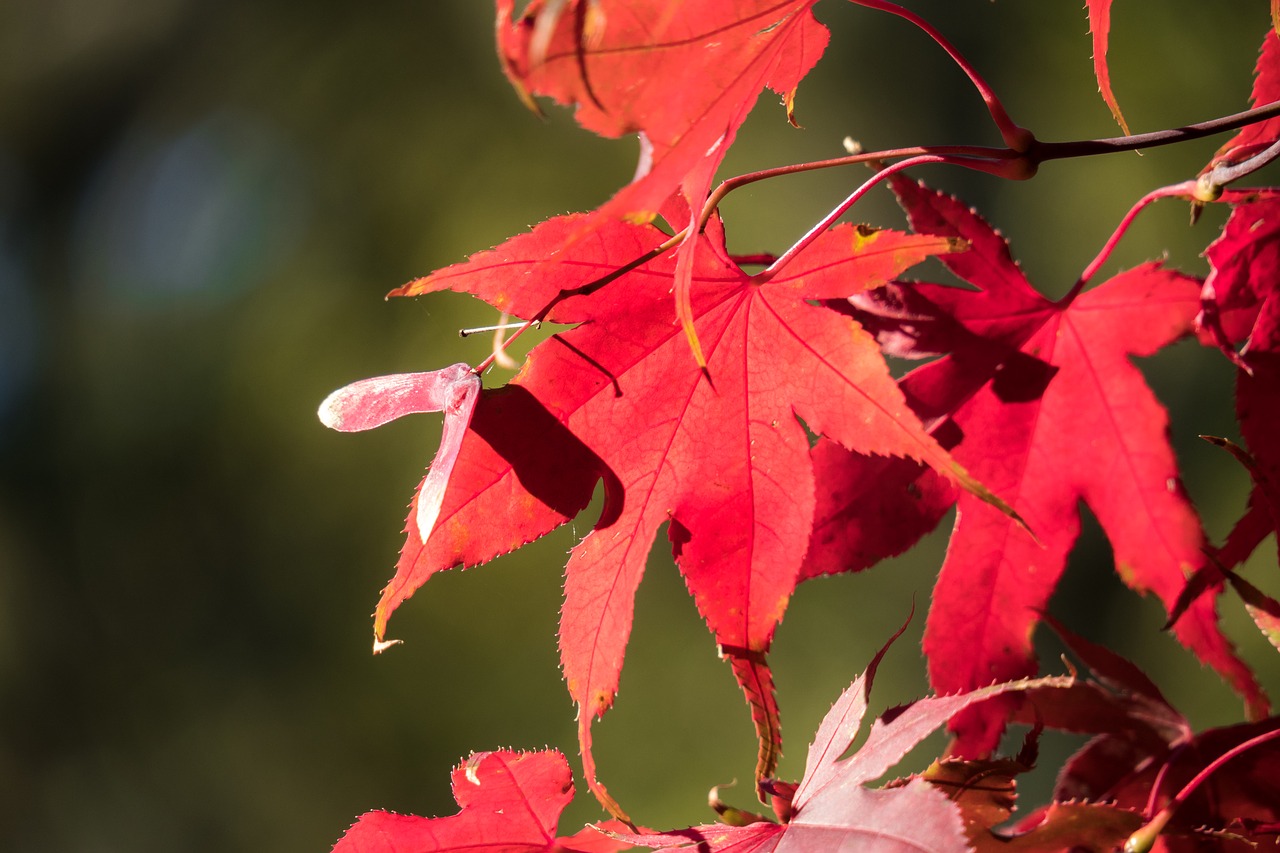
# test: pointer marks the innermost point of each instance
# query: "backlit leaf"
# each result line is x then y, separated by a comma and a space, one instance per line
1042, 402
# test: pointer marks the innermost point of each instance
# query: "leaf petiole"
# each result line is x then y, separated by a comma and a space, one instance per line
1182, 190
1018, 138
843, 207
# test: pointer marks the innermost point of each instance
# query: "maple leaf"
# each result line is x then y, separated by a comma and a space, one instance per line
683, 74
1040, 400
1100, 29
833, 809
509, 802
724, 462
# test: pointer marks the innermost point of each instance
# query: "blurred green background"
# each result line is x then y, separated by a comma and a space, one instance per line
201, 207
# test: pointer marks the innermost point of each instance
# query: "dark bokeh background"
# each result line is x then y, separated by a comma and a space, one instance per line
201, 206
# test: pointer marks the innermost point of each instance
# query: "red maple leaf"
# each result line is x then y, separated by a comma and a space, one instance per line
1240, 304
833, 808
684, 74
1040, 400
720, 456
509, 802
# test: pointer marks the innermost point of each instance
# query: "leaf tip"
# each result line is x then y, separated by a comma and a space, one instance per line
380, 646
695, 346
789, 103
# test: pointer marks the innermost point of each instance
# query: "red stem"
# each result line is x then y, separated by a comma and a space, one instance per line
1154, 796
975, 152
1017, 138
1217, 764
840, 209
1182, 190
1144, 838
